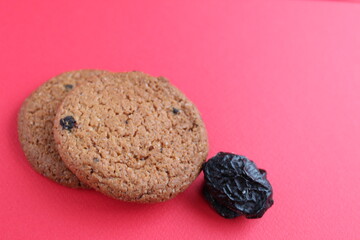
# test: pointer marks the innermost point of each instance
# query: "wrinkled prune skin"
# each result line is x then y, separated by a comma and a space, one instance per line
221, 209
68, 123
235, 183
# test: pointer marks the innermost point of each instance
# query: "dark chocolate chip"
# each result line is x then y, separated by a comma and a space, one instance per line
68, 123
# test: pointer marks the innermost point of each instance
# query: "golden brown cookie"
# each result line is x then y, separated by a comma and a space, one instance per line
131, 136
35, 124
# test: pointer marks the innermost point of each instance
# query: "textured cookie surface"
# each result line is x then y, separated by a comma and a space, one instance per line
132, 137
35, 125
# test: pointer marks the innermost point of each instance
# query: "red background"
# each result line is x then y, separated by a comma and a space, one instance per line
277, 81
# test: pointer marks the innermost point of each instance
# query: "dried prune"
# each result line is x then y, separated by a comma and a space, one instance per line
68, 123
234, 185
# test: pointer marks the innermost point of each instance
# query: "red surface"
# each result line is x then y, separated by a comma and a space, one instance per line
277, 81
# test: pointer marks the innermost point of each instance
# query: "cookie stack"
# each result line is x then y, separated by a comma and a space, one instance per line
129, 135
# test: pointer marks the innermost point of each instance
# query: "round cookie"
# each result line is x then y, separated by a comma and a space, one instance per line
35, 124
131, 136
